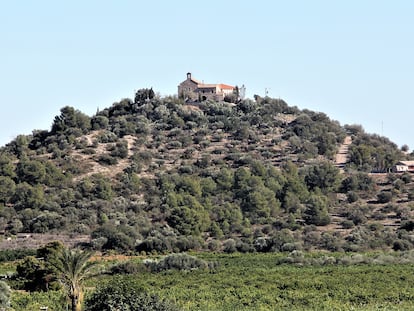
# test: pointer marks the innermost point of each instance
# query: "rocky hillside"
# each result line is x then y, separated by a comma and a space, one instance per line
159, 174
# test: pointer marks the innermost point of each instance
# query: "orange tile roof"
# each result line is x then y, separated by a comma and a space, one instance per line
221, 86
225, 86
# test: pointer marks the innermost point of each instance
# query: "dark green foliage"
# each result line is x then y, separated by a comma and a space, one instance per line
54, 177
347, 224
107, 137
143, 95
373, 153
316, 212
229, 246
99, 122
155, 244
279, 239
27, 196
19, 146
293, 182
32, 172
188, 216
7, 189
352, 197
406, 177
357, 214
314, 130
6, 166
32, 272
125, 295
107, 159
97, 186
384, 196
38, 273
47, 221
323, 176
408, 225
120, 149
402, 245
257, 201
69, 121
116, 238
357, 182
14, 254
128, 267
49, 252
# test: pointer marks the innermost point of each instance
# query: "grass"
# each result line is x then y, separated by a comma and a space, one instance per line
256, 282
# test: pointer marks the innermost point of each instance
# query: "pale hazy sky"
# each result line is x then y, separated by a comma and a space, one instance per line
353, 60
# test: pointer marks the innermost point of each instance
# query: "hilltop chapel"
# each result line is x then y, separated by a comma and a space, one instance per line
193, 90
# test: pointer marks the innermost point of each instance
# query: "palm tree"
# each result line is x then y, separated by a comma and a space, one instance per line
73, 267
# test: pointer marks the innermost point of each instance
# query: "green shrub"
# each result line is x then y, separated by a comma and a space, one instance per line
107, 137
128, 267
384, 196
357, 216
176, 262
401, 245
89, 151
175, 144
151, 244
14, 254
120, 149
347, 224
214, 245
124, 295
352, 197
229, 246
106, 159
5, 294
408, 225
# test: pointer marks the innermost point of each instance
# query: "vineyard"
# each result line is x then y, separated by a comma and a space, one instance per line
265, 282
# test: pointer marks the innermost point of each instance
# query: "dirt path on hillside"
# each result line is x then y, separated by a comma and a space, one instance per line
95, 167
342, 155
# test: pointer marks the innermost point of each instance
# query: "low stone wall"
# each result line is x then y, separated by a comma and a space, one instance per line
36, 240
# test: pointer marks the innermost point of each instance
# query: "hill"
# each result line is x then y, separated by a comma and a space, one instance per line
158, 174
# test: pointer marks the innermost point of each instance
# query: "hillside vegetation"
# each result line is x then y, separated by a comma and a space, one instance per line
159, 175
248, 282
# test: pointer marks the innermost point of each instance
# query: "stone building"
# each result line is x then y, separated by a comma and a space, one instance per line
193, 90
404, 166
